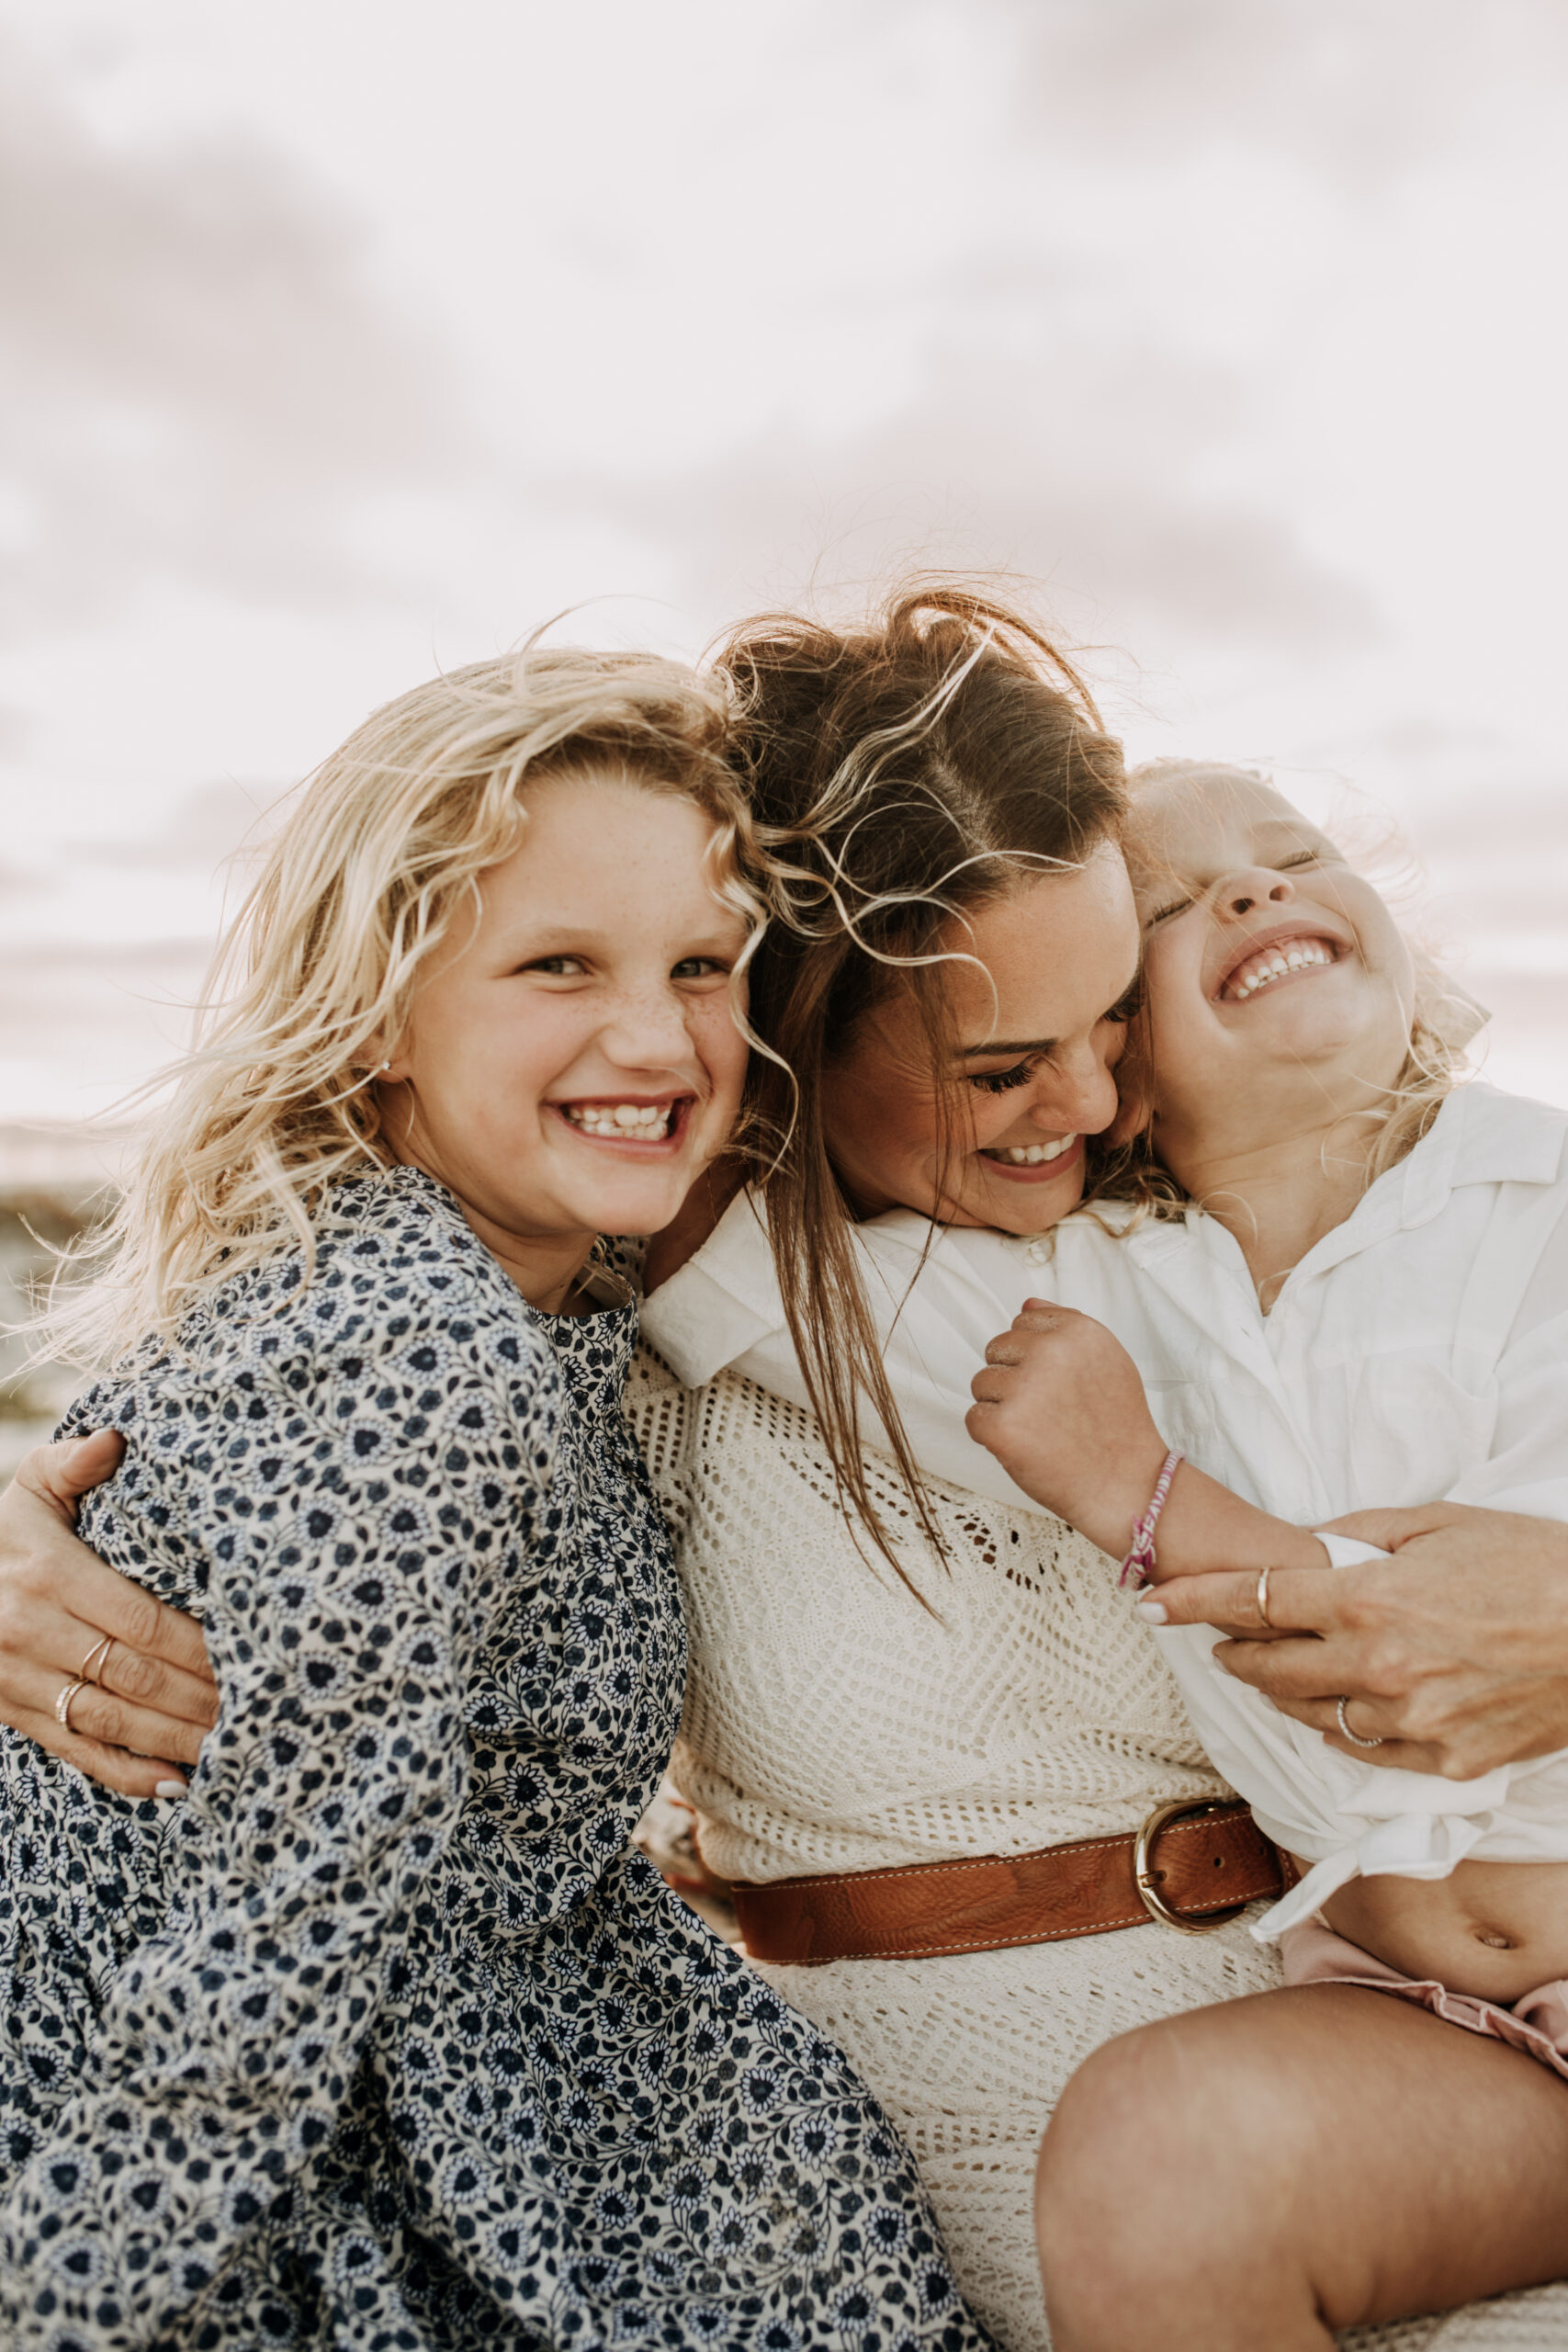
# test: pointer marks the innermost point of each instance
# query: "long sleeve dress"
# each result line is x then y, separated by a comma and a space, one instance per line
384, 2036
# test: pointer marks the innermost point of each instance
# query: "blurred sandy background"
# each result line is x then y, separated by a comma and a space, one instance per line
346, 341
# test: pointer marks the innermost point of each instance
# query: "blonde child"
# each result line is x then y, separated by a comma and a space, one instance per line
1353, 1290
383, 2033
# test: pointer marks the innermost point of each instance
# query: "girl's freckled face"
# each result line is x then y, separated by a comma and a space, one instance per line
574, 1063
1271, 968
1037, 1010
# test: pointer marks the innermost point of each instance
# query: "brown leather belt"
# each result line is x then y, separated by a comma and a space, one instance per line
1191, 1867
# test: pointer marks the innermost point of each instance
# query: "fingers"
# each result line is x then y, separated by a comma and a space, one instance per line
97, 1716
1300, 1600
112, 1768
58, 1475
1388, 1529
57, 1599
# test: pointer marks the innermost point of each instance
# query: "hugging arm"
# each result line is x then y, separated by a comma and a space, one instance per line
140, 1725
343, 1615
1061, 1405
1456, 1649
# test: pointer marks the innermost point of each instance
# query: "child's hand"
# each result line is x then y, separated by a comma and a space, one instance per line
1061, 1406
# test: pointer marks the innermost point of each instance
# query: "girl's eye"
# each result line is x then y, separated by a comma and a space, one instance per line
1177, 907
557, 967
1127, 1008
698, 967
1302, 857
997, 1081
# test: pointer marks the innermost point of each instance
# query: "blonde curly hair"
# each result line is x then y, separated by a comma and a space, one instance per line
371, 870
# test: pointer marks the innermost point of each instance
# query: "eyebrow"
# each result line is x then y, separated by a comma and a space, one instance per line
1041, 1045
1007, 1046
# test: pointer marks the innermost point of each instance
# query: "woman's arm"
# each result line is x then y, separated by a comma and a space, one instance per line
144, 1723
1456, 1649
384, 1504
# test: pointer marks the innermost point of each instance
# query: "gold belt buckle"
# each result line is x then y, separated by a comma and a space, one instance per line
1146, 1878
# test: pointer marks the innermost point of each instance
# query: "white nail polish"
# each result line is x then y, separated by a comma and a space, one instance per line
1152, 1613
169, 1789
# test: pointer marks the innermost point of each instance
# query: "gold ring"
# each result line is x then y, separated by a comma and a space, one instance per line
63, 1704
98, 1657
1263, 1576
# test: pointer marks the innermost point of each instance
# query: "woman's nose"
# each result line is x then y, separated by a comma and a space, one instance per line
1256, 887
1081, 1097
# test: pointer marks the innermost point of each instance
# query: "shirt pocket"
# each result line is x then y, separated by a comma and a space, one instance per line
1414, 1430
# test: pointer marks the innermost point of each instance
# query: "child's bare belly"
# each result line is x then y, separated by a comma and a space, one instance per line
1494, 1930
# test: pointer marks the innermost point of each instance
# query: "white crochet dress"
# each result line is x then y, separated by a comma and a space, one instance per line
833, 1724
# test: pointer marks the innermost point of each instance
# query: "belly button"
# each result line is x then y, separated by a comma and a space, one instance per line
1497, 1942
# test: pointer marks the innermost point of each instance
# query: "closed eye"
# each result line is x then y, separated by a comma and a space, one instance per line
1163, 914
997, 1081
1127, 1006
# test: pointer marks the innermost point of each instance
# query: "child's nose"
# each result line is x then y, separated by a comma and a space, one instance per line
1256, 887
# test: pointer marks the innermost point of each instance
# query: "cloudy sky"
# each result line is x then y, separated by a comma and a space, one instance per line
349, 340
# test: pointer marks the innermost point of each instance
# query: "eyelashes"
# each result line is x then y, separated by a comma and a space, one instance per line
1280, 866
998, 1081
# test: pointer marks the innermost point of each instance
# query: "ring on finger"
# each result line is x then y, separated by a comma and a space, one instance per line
63, 1704
1262, 1597
1354, 1737
93, 1665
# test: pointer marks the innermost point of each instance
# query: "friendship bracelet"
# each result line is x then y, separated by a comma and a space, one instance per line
1140, 1558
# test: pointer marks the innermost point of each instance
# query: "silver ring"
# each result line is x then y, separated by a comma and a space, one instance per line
1263, 1576
1354, 1737
63, 1704
92, 1666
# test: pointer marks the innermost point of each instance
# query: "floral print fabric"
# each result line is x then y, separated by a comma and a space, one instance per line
384, 2036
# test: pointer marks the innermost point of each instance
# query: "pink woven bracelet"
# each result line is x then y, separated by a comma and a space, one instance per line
1140, 1558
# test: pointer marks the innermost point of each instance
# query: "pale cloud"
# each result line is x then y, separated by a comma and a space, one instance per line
200, 379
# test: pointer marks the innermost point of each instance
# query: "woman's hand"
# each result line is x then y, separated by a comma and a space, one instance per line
1061, 1405
1454, 1653
145, 1719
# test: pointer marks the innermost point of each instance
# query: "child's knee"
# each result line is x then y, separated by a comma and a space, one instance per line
1151, 2155
1100, 2215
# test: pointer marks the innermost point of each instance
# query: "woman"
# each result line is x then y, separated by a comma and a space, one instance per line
834, 1723
384, 2035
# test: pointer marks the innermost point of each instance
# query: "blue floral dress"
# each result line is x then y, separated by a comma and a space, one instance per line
384, 2036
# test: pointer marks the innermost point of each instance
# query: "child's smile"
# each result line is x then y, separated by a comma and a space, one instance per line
1280, 991
1281, 954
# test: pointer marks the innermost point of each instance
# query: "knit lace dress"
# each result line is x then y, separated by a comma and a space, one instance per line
834, 1724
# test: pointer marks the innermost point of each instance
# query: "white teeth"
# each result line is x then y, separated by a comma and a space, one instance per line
634, 1122
1030, 1155
1274, 964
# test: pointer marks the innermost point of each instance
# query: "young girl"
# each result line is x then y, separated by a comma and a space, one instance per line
384, 2036
1374, 1307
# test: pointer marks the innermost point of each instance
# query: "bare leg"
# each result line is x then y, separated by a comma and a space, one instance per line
1270, 2170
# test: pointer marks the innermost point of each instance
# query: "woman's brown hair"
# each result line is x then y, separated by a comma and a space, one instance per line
903, 775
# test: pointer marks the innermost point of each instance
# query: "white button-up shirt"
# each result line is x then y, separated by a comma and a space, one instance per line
1418, 1350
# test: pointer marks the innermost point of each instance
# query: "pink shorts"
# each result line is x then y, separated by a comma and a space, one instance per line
1313, 1954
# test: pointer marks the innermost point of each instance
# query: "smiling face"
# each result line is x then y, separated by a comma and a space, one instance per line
1038, 1028
575, 1064
1279, 987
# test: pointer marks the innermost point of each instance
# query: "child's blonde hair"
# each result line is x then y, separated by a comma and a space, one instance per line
312, 985
1444, 1021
